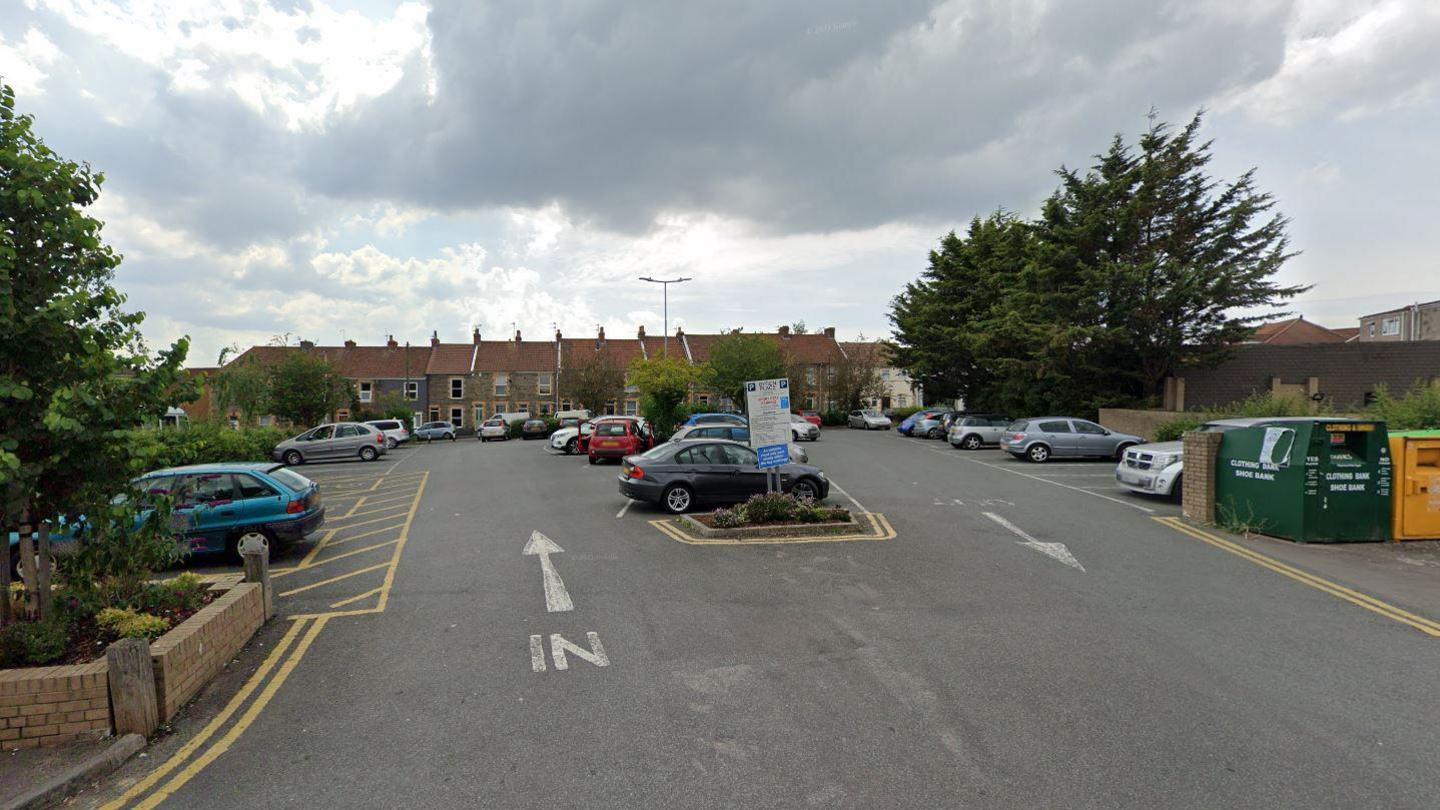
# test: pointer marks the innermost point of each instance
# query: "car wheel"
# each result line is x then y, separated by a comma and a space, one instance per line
232, 548
452, 436
390, 443
1177, 488
293, 458
572, 447
805, 488
594, 460
971, 442
1120, 451
933, 434
677, 499
1038, 453
368, 454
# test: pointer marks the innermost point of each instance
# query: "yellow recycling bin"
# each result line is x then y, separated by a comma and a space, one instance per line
1416, 500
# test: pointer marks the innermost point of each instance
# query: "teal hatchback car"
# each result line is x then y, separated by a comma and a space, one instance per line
218, 505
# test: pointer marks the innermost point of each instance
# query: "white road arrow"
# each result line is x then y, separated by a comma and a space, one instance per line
557, 599
1056, 550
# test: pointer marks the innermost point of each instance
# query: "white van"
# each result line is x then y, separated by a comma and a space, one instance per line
513, 416
581, 415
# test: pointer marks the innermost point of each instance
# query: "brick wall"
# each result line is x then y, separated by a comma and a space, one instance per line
1343, 372
187, 657
1197, 486
53, 705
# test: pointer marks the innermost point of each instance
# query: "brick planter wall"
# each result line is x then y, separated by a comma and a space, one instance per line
52, 705
187, 657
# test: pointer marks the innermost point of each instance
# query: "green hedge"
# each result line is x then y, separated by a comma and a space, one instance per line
200, 443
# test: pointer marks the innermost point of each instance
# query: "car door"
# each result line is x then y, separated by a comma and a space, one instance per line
704, 467
348, 439
1058, 434
256, 502
208, 500
1092, 439
747, 477
318, 442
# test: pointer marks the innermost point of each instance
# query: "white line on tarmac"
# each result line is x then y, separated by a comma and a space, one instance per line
842, 491
1147, 510
1056, 551
623, 510
401, 461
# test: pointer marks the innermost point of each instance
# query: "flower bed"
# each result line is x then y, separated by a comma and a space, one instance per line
187, 657
774, 509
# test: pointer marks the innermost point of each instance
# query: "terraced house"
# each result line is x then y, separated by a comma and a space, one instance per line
465, 383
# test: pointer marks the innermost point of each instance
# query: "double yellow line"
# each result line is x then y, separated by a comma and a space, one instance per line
1370, 603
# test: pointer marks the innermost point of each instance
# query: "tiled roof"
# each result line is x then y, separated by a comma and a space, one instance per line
1293, 332
868, 348
510, 355
622, 351
451, 358
819, 348
357, 362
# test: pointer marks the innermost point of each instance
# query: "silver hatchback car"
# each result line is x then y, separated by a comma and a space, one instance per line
1042, 438
330, 441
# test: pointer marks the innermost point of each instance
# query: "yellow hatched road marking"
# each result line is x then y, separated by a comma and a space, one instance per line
353, 599
331, 580
370, 533
193, 745
353, 507
391, 508
1370, 603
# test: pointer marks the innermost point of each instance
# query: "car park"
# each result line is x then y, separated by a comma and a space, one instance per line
430, 431
535, 429
974, 431
1039, 439
802, 429
1158, 468
733, 433
617, 437
868, 420
332, 441
394, 430
716, 419
493, 428
676, 476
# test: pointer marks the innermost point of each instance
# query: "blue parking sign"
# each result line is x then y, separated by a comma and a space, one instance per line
773, 455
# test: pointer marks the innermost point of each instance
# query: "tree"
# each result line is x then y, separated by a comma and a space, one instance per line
592, 378
855, 377
664, 383
305, 389
1133, 269
244, 386
737, 358
74, 370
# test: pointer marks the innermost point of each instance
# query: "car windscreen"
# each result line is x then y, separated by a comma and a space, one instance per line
293, 481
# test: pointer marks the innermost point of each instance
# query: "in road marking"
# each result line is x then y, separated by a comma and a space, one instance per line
623, 509
595, 655
1056, 550
1370, 603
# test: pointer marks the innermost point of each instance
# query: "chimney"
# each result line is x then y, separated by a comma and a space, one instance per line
679, 331
517, 335
435, 338
830, 332
557, 335
601, 336
640, 333
307, 344
390, 342
475, 336
349, 344
785, 332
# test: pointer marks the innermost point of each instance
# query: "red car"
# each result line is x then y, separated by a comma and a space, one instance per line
619, 436
812, 417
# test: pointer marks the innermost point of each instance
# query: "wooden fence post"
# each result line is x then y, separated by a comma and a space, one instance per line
42, 577
27, 572
255, 551
133, 701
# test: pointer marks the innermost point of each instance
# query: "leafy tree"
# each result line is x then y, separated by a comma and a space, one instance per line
855, 378
305, 389
664, 383
592, 378
1133, 268
74, 370
737, 358
243, 386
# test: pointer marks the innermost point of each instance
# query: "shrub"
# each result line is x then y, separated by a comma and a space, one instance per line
199, 443
771, 506
1172, 431
33, 643
1417, 409
835, 417
184, 593
515, 428
121, 546
899, 414
129, 624
775, 508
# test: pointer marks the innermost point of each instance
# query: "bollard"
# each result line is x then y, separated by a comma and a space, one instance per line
131, 675
255, 551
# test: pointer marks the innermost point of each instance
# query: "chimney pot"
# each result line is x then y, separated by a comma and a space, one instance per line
390, 341
307, 344
557, 335
640, 333
435, 338
601, 337
349, 344
830, 332
679, 331
517, 335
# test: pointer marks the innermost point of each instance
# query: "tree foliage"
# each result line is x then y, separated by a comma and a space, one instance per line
306, 389
244, 386
664, 383
1134, 268
592, 378
74, 370
738, 358
855, 377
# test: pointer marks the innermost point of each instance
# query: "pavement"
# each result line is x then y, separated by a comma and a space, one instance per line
1030, 637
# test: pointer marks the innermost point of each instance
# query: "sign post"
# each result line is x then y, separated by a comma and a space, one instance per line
767, 404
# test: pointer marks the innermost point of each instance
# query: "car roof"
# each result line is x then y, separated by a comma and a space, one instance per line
218, 467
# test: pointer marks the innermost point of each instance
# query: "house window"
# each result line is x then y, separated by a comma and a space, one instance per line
457, 417
544, 409
412, 389
811, 376
342, 415
704, 399
900, 400
457, 387
502, 385
565, 405
523, 407
419, 418
434, 414
546, 380
610, 408
367, 391
267, 421
1390, 326
1372, 329
632, 407
809, 403
885, 374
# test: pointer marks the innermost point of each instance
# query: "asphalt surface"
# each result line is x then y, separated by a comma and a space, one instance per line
961, 664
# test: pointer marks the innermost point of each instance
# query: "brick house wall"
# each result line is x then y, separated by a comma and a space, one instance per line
1343, 372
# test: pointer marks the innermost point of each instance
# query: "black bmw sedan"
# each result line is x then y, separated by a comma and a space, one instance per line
678, 475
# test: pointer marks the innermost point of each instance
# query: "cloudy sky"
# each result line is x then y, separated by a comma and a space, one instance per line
354, 169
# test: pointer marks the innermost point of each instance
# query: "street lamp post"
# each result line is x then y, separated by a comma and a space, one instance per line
665, 285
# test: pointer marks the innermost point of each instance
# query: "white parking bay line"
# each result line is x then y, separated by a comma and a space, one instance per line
623, 510
1147, 510
859, 506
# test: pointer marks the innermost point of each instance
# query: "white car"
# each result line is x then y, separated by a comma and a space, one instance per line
394, 430
493, 428
803, 431
868, 420
1157, 468
568, 439
735, 433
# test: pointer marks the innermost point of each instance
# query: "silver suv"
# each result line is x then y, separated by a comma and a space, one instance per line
975, 431
332, 440
1042, 438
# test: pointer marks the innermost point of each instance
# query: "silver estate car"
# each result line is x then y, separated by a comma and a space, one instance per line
334, 440
868, 420
1042, 438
